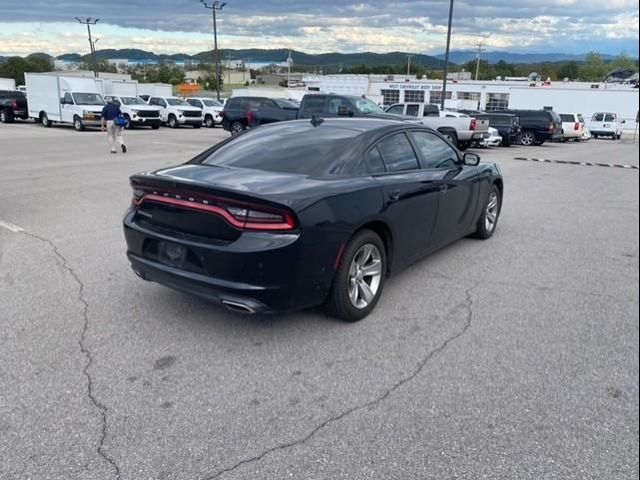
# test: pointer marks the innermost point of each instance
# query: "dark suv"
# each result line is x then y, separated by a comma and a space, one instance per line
332, 105
538, 126
508, 125
13, 104
245, 112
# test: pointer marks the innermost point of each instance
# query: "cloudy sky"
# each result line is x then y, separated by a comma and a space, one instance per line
315, 26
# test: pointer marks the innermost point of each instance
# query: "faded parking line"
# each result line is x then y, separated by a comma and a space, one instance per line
584, 164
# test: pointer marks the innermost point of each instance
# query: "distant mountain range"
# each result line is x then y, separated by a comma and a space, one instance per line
275, 56
331, 61
464, 56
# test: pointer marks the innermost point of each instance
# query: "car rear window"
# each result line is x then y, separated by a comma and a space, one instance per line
598, 117
609, 118
237, 102
286, 148
567, 118
313, 104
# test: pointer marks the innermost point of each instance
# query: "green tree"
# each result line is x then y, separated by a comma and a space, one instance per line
15, 67
594, 68
624, 61
570, 70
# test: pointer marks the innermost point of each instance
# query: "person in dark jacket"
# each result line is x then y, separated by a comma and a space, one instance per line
110, 113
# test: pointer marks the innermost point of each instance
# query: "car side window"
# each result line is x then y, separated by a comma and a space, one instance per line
413, 110
314, 104
435, 152
334, 105
373, 161
397, 110
68, 99
398, 154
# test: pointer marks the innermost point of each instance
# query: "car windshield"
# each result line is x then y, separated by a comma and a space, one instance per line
366, 106
287, 147
176, 102
88, 99
131, 101
211, 103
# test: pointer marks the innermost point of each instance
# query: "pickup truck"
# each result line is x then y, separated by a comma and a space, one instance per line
332, 105
13, 105
461, 129
136, 112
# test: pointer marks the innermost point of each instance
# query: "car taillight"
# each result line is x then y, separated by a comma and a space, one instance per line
244, 216
552, 128
576, 126
249, 117
472, 126
14, 105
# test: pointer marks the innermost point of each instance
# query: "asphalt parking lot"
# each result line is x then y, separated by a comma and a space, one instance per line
512, 358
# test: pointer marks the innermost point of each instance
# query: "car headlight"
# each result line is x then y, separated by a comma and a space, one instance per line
134, 112
180, 112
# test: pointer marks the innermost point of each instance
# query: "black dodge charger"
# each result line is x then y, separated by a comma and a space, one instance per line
297, 214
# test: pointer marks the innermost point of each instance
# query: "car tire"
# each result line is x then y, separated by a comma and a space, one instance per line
236, 127
209, 122
354, 294
527, 139
488, 220
506, 142
172, 121
44, 120
77, 124
197, 125
155, 127
6, 116
452, 136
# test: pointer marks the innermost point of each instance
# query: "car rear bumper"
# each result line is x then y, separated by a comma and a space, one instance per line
266, 272
603, 132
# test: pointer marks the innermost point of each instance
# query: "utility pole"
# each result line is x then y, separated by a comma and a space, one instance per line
409, 64
214, 7
88, 22
446, 57
289, 60
479, 51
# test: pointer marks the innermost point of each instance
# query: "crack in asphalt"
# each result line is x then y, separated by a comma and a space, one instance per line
467, 305
64, 264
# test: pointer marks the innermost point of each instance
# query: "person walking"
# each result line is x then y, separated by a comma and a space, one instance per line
110, 114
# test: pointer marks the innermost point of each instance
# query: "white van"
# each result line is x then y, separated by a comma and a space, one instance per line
606, 124
175, 112
59, 99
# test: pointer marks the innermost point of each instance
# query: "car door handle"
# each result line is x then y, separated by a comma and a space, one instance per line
443, 188
394, 195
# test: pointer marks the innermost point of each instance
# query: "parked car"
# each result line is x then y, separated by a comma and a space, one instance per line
606, 124
508, 125
332, 105
537, 126
175, 112
211, 109
136, 111
305, 213
13, 104
240, 113
459, 128
572, 126
491, 139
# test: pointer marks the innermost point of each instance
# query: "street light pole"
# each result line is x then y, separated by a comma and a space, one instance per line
446, 57
409, 64
478, 59
88, 22
213, 7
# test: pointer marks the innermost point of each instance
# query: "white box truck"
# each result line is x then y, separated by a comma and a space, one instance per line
63, 99
7, 84
147, 90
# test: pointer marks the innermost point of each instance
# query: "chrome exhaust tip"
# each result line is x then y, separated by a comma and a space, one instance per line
238, 307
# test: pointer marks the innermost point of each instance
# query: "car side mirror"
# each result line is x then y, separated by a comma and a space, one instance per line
62, 101
471, 159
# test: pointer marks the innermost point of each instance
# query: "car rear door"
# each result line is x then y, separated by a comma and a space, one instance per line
410, 194
457, 187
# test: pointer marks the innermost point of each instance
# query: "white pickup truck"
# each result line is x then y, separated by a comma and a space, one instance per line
136, 111
175, 112
211, 109
461, 129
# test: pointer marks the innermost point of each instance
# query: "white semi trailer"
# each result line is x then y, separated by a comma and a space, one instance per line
63, 99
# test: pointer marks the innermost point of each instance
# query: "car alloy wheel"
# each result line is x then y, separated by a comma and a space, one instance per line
173, 123
78, 125
491, 213
236, 128
365, 273
527, 139
208, 121
4, 117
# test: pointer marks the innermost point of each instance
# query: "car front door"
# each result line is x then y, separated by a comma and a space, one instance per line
410, 195
68, 108
458, 187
